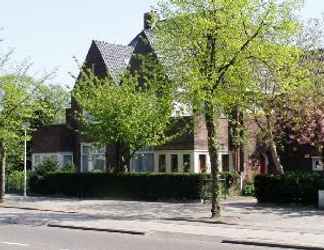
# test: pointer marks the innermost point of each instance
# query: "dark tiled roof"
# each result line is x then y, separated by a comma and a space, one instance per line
146, 34
116, 57
149, 36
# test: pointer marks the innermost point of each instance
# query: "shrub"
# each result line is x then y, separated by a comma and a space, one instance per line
231, 183
134, 186
46, 167
127, 186
290, 188
69, 168
15, 182
248, 189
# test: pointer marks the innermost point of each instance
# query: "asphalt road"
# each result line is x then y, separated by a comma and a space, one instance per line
20, 237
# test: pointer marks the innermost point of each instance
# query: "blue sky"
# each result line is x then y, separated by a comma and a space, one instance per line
51, 33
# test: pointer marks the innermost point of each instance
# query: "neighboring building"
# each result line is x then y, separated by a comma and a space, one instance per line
187, 153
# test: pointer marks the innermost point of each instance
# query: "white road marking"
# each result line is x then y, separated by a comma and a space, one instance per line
14, 244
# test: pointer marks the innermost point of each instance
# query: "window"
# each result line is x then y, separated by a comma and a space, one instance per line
51, 157
202, 163
225, 163
67, 160
144, 162
93, 158
61, 158
317, 164
174, 163
162, 163
37, 160
98, 163
85, 158
186, 163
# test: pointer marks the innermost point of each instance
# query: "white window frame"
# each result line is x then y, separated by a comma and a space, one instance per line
314, 160
90, 167
44, 156
132, 161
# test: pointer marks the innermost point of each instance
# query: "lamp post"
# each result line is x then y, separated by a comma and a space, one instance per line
25, 127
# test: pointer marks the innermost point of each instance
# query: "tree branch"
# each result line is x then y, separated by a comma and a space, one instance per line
225, 67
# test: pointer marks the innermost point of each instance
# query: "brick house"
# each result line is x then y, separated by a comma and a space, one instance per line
187, 153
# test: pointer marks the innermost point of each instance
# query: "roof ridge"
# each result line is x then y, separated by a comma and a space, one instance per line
110, 43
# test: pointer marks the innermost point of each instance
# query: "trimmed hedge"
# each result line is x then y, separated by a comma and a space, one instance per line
125, 186
290, 188
130, 186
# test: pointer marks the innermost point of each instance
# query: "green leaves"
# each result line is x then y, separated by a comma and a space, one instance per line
16, 106
134, 113
217, 48
50, 106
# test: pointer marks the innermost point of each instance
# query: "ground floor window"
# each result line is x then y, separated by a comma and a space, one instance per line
317, 163
203, 163
61, 158
162, 163
174, 163
186, 163
225, 163
143, 162
93, 158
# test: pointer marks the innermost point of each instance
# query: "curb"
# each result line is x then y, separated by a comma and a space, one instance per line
123, 231
39, 209
204, 221
270, 244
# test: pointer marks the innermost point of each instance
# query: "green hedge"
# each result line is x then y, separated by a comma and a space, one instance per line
125, 186
290, 188
15, 182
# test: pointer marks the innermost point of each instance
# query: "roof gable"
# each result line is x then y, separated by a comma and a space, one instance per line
115, 57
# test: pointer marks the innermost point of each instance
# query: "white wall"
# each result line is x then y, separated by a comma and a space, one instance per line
194, 159
58, 156
168, 154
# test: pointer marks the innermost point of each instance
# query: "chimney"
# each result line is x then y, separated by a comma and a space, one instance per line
150, 19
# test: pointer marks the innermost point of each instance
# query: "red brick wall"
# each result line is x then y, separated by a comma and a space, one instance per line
201, 135
55, 138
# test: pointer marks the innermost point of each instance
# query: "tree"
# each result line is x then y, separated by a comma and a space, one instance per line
53, 101
284, 89
131, 115
16, 107
49, 104
215, 50
300, 118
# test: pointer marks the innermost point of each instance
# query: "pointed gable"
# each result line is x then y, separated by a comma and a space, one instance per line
115, 57
94, 60
143, 42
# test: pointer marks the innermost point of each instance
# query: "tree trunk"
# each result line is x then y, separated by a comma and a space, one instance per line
273, 148
275, 158
122, 159
213, 154
2, 170
118, 159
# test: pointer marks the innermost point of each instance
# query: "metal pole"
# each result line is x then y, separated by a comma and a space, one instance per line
25, 165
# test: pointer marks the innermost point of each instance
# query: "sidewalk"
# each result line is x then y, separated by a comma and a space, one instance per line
236, 233
302, 226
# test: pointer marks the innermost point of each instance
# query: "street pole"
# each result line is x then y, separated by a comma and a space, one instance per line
25, 126
25, 165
